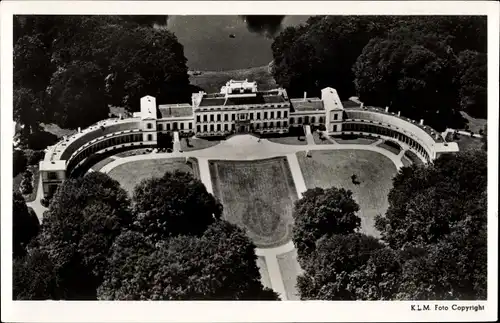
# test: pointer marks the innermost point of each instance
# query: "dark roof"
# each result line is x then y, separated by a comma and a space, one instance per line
309, 104
258, 99
175, 110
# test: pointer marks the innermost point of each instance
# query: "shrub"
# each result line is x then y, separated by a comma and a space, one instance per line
19, 161
26, 187
34, 156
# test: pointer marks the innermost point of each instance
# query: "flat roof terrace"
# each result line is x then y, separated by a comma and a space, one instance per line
168, 111
308, 104
258, 99
353, 106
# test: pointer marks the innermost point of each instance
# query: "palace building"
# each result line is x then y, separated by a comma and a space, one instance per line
239, 107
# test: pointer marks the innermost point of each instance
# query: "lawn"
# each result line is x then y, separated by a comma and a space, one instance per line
288, 140
354, 140
390, 147
197, 143
132, 173
98, 166
335, 167
466, 142
290, 269
319, 141
212, 81
132, 152
257, 196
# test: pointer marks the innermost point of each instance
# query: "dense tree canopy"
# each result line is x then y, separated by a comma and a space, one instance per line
323, 212
174, 204
472, 80
220, 264
85, 216
19, 162
25, 225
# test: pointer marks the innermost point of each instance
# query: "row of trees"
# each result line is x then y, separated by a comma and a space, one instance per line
69, 69
425, 67
433, 242
169, 244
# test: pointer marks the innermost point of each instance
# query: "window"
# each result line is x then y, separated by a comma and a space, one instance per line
190, 125
258, 115
278, 115
278, 124
218, 117
242, 116
160, 127
306, 120
218, 127
334, 128
211, 118
285, 114
233, 126
226, 118
265, 115
292, 120
271, 124
251, 116
257, 126
313, 119
182, 125
233, 117
204, 118
272, 114
150, 126
150, 137
212, 127
284, 123
264, 125
225, 127
53, 175
198, 119
321, 120
168, 126
198, 128
299, 120
204, 128
175, 125
335, 116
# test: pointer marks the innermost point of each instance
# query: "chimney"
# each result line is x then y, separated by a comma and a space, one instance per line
362, 105
421, 122
399, 113
386, 109
79, 129
305, 95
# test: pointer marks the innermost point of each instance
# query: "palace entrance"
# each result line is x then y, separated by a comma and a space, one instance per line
243, 123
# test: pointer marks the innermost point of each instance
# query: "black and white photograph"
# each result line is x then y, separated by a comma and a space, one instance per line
311, 158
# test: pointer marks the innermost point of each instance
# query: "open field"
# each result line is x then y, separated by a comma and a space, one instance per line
197, 143
474, 124
257, 196
334, 168
466, 142
290, 269
132, 173
212, 81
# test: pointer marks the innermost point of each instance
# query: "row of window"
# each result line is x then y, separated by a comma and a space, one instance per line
242, 116
256, 107
387, 132
307, 120
265, 125
175, 126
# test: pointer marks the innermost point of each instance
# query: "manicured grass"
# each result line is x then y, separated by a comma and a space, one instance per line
290, 269
132, 173
466, 142
197, 143
390, 148
319, 141
212, 81
474, 124
413, 158
288, 140
258, 196
98, 166
334, 168
358, 140
264, 273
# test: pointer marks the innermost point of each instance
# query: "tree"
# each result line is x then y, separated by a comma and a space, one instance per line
412, 72
174, 204
34, 277
25, 225
334, 270
323, 212
77, 94
220, 264
85, 216
472, 79
19, 162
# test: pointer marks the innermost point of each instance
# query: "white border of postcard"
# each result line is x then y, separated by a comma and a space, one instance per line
291, 311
